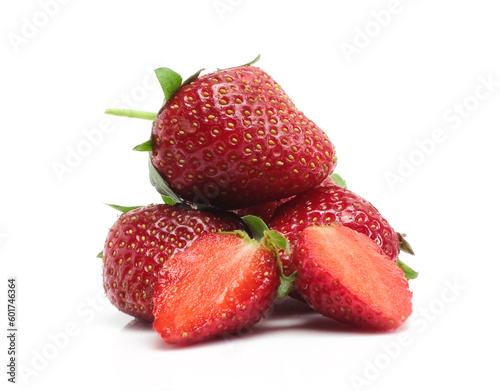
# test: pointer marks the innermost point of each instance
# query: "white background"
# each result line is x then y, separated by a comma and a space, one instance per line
418, 69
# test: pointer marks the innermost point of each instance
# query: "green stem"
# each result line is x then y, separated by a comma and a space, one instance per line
132, 113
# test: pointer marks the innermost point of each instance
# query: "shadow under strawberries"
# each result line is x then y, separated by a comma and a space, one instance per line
286, 315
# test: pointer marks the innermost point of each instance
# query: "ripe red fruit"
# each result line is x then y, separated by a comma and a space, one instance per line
221, 284
344, 275
142, 240
233, 138
263, 211
331, 204
266, 211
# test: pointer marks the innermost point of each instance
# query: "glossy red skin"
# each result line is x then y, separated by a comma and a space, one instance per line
233, 139
266, 211
140, 242
192, 304
330, 204
341, 296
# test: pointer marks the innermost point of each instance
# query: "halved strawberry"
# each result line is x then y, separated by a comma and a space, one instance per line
344, 275
221, 284
142, 240
330, 204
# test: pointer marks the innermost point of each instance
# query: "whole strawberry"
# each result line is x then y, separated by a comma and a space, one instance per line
233, 138
263, 211
330, 204
139, 243
266, 211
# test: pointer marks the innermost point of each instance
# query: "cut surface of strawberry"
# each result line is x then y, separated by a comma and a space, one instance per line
221, 284
345, 275
332, 204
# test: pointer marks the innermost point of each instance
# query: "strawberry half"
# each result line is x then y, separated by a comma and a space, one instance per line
221, 284
330, 204
344, 275
233, 138
142, 240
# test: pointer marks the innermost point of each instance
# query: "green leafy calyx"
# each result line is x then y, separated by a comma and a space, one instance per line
256, 225
192, 78
410, 274
160, 185
144, 147
132, 114
286, 285
339, 181
404, 245
123, 209
253, 61
170, 81
168, 200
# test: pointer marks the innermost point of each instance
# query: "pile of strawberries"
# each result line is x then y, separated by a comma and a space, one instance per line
251, 213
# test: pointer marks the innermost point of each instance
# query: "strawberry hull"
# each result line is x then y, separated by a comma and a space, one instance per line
233, 139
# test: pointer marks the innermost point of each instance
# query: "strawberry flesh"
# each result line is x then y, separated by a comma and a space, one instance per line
344, 275
330, 204
221, 284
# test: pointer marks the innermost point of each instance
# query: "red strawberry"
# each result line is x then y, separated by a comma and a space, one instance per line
233, 138
221, 284
263, 211
139, 243
266, 211
331, 204
344, 275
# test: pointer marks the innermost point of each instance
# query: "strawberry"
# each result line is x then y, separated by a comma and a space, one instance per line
331, 204
142, 240
266, 211
221, 284
344, 275
233, 138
